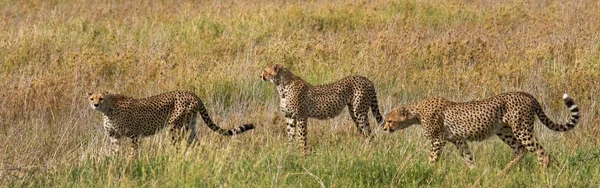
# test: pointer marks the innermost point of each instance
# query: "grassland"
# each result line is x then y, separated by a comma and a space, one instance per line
53, 52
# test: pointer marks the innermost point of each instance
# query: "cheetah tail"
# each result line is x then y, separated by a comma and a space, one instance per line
570, 103
375, 111
208, 121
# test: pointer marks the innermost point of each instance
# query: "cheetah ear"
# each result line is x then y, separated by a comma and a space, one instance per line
403, 111
89, 94
407, 114
277, 67
106, 93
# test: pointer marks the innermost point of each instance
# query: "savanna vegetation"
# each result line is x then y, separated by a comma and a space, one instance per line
53, 52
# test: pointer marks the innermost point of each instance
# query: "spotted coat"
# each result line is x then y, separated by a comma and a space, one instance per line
300, 100
134, 118
510, 116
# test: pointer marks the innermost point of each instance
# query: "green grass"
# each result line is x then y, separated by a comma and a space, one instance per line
388, 160
53, 52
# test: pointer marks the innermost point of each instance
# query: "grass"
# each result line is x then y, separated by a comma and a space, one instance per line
53, 52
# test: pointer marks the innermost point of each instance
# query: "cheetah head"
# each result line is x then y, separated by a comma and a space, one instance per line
398, 119
97, 101
271, 73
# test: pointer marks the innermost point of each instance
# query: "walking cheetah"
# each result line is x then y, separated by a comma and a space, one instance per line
299, 100
510, 116
134, 118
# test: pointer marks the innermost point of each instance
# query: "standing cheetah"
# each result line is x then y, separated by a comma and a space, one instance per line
510, 116
299, 100
134, 118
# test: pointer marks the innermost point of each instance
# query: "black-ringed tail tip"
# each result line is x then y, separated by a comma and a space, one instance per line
570, 103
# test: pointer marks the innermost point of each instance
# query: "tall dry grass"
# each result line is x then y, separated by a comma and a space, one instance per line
53, 52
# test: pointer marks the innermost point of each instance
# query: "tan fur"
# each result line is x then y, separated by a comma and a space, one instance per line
299, 100
134, 118
510, 116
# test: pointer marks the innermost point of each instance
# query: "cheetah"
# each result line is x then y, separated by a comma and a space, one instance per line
510, 116
299, 100
135, 118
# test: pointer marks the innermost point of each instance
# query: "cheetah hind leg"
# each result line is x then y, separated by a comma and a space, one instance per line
191, 130
519, 150
291, 129
530, 142
176, 134
176, 123
134, 147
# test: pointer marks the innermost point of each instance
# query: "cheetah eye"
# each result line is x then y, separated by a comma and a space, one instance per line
91, 99
101, 99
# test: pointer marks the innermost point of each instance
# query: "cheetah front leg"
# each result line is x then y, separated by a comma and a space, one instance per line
361, 112
360, 118
114, 144
291, 129
351, 110
437, 144
463, 148
433, 130
302, 132
364, 126
134, 147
